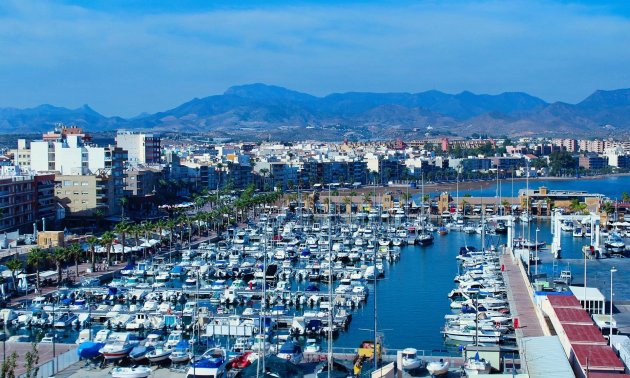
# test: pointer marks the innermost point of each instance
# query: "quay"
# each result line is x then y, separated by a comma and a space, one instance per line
520, 299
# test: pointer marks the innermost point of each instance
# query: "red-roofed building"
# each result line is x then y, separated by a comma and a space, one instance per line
584, 334
572, 316
564, 301
595, 358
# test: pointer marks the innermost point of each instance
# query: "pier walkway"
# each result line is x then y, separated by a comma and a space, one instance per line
521, 304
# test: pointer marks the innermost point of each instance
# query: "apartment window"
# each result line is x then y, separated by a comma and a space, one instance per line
84, 201
67, 193
76, 193
85, 183
76, 183
67, 183
85, 193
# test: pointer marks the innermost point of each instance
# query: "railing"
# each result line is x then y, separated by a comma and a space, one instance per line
60, 362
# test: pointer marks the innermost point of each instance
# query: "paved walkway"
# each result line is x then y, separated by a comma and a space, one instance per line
521, 304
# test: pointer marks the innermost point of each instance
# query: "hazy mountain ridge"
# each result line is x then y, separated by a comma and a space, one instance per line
257, 109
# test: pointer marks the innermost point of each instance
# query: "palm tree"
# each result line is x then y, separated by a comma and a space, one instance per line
367, 198
108, 240
74, 253
58, 257
35, 258
122, 229
123, 202
92, 241
14, 266
577, 206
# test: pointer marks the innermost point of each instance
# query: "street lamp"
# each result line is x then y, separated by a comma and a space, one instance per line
536, 246
612, 270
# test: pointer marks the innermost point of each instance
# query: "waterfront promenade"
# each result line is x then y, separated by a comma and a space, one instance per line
520, 298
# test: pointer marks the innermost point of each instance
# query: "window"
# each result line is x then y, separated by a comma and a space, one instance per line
85, 183
76, 183
67, 183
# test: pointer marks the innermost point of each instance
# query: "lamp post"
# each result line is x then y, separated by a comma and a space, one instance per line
536, 246
612, 270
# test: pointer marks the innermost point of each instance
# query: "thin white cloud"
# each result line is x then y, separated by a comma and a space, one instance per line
128, 63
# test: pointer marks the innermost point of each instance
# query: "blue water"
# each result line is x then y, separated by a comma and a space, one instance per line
611, 187
412, 298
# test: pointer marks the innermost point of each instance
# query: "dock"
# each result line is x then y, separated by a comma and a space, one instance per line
520, 299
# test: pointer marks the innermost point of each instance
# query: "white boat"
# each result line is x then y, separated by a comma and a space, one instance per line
410, 359
159, 354
437, 368
311, 346
181, 353
476, 366
118, 346
131, 372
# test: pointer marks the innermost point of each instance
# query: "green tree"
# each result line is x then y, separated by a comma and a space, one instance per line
15, 265
92, 242
625, 197
539, 163
35, 258
123, 203
122, 229
58, 257
31, 359
74, 253
9, 366
108, 239
561, 161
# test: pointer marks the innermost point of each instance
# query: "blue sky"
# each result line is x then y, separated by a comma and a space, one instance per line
124, 57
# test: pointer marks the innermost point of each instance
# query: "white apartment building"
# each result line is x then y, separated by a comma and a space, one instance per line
141, 148
68, 156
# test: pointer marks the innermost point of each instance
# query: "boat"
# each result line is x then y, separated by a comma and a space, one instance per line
181, 353
424, 239
442, 230
243, 360
615, 243
476, 366
139, 352
311, 346
89, 349
131, 372
159, 354
410, 359
291, 351
118, 346
49, 338
438, 368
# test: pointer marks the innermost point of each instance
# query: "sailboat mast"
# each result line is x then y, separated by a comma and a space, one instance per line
330, 299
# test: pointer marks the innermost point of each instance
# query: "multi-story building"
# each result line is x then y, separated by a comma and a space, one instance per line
592, 161
567, 144
25, 198
141, 182
314, 171
141, 148
83, 194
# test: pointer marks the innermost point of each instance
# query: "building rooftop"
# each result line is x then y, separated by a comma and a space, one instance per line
544, 357
563, 301
584, 334
592, 293
597, 357
573, 316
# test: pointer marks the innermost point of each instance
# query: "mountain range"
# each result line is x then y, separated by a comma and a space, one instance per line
261, 111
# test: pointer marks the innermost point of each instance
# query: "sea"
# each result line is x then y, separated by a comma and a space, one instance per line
412, 297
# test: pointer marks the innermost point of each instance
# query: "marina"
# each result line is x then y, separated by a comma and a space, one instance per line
294, 286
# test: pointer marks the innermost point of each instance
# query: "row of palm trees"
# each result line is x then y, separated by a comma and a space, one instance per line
222, 212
